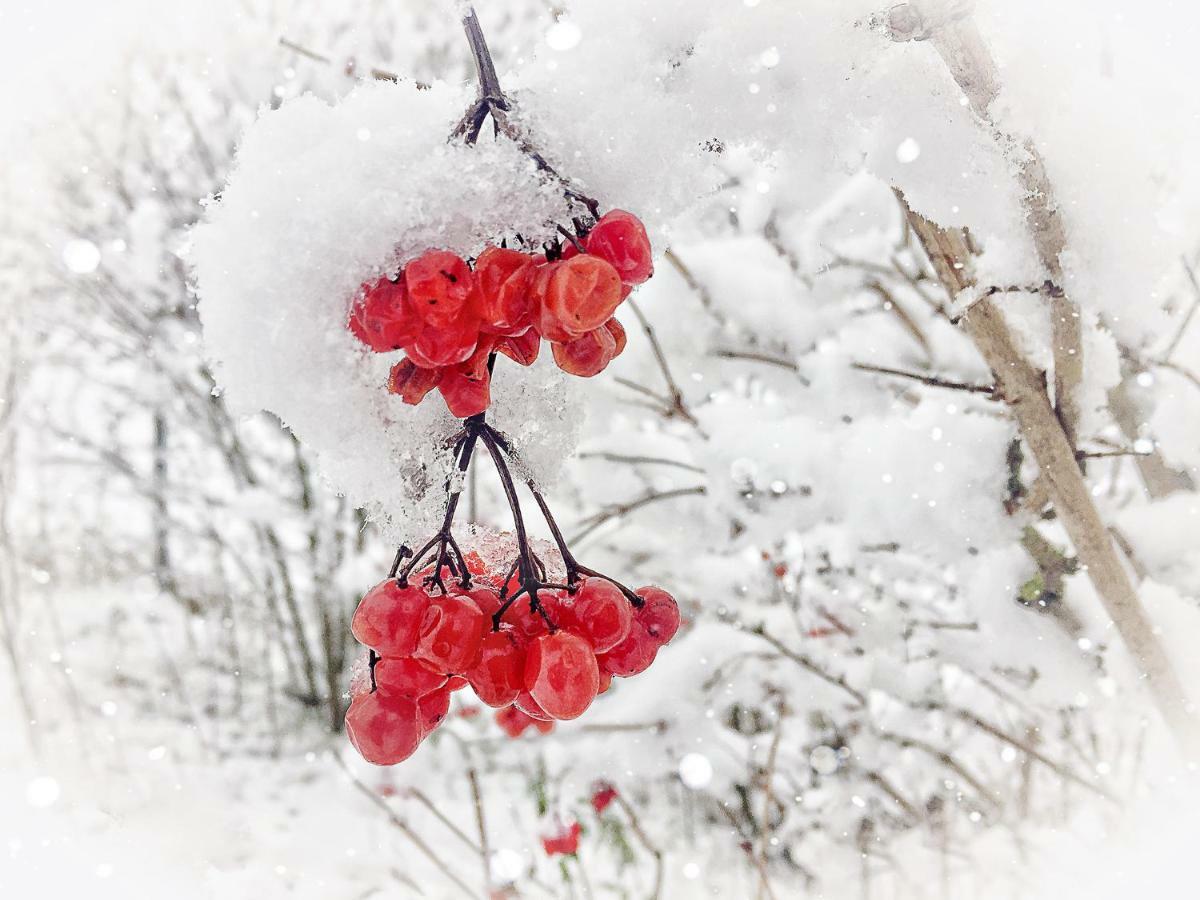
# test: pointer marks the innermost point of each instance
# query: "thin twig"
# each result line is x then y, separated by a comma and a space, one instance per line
806, 662
403, 827
931, 380
484, 852
1187, 319
418, 795
622, 509
678, 406
651, 847
641, 460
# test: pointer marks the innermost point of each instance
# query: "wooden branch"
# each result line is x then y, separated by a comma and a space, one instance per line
951, 254
954, 34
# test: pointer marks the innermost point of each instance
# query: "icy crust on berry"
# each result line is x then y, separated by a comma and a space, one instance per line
321, 200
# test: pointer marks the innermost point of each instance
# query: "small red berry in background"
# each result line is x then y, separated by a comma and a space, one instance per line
564, 841
515, 723
603, 794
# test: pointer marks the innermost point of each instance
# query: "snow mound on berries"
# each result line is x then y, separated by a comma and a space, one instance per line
322, 199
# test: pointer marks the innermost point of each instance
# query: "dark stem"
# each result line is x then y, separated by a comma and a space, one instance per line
573, 567
444, 539
489, 83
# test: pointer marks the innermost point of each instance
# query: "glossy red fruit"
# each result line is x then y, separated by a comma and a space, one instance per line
563, 841
601, 614
617, 330
384, 730
523, 349
466, 388
588, 354
526, 704
464, 396
633, 655
440, 287
659, 615
606, 677
456, 683
620, 239
525, 619
502, 301
388, 618
581, 294
499, 676
451, 632
411, 382
382, 319
485, 596
561, 674
515, 723
432, 710
603, 794
544, 319
404, 677
448, 345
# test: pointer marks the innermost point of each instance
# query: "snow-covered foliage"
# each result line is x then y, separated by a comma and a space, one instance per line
895, 667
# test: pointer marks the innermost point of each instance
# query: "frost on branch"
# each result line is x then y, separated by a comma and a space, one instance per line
322, 199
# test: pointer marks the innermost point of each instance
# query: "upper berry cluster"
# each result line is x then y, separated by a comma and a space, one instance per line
450, 317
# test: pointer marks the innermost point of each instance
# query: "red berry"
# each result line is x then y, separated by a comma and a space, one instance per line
526, 620
412, 382
659, 615
632, 655
486, 598
432, 710
464, 397
605, 676
385, 730
448, 345
382, 318
581, 294
450, 634
617, 330
564, 841
403, 677
601, 614
388, 618
499, 676
440, 286
522, 349
544, 320
466, 388
456, 683
526, 704
620, 239
603, 794
502, 300
561, 674
588, 354
515, 723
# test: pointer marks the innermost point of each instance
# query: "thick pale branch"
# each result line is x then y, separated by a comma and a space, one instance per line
1020, 384
952, 31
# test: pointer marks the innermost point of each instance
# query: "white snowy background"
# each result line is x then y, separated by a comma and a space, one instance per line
896, 677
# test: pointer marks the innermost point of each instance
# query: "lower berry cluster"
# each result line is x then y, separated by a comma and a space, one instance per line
450, 316
547, 660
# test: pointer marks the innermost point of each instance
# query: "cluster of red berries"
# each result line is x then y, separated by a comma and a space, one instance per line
450, 317
547, 660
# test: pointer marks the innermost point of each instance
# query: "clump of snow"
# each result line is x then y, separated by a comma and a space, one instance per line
322, 199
